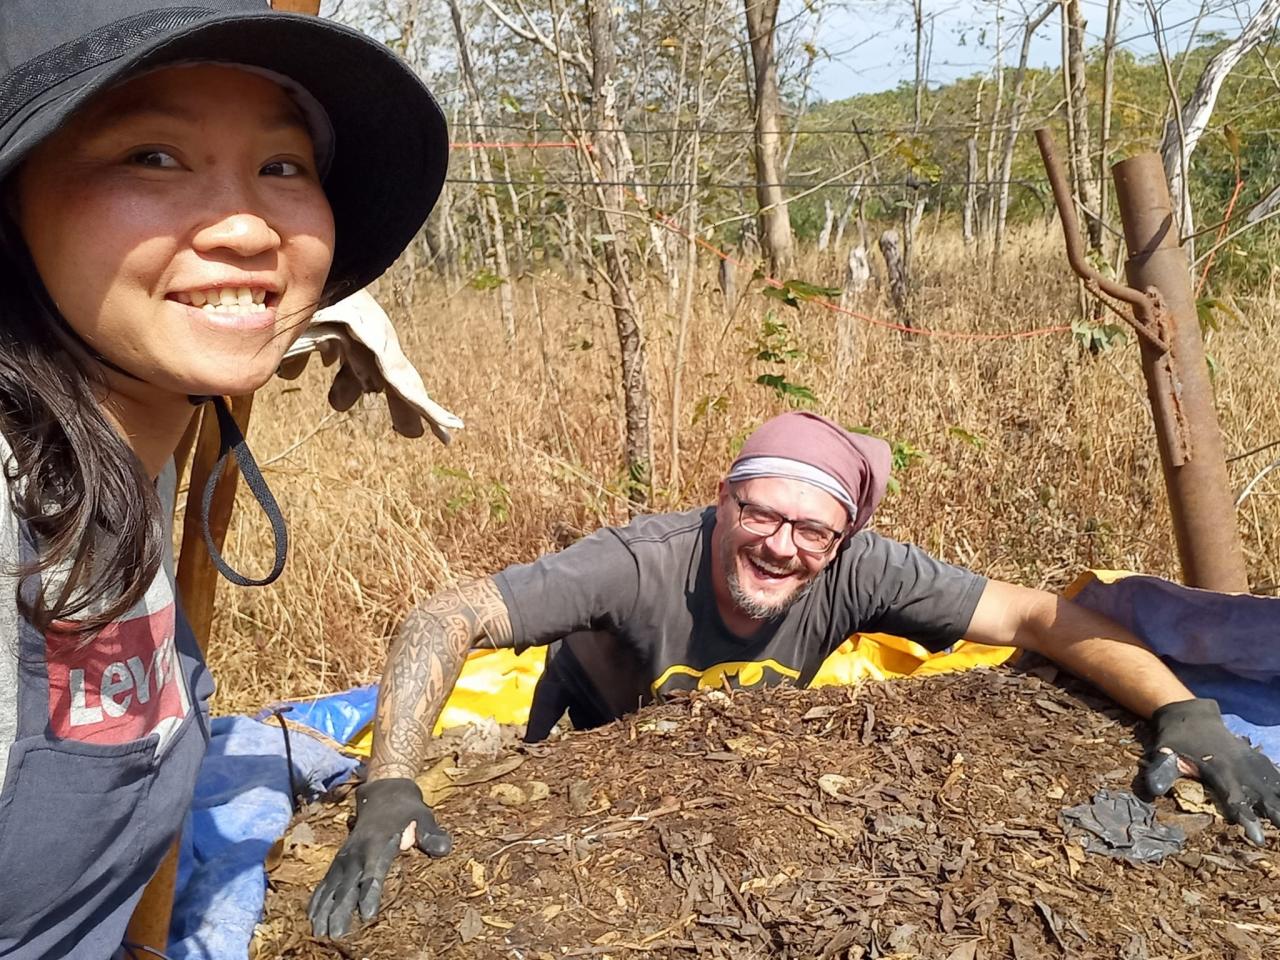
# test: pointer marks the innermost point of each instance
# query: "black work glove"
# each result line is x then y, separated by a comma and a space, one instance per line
384, 808
1243, 781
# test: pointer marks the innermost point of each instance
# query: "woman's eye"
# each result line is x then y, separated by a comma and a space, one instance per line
282, 168
154, 158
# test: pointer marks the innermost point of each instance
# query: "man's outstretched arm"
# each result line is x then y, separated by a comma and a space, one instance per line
422, 668
1189, 735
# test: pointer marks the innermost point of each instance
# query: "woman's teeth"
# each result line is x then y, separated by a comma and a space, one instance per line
228, 300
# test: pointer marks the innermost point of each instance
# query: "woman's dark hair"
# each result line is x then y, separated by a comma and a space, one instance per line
93, 512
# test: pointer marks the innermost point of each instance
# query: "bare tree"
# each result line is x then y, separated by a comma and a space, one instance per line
775, 221
612, 156
1182, 133
1108, 99
1017, 108
506, 296
1079, 149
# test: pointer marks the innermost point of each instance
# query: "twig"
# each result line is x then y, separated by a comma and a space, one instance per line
1248, 487
1250, 453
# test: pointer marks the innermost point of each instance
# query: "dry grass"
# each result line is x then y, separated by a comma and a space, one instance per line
1038, 461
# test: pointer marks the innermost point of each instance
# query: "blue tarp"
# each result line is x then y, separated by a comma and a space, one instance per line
1225, 647
337, 715
1220, 645
242, 806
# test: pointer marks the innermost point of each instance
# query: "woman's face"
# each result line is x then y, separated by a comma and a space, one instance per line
179, 225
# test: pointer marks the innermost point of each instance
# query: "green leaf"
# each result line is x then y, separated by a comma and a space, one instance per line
783, 294
1210, 310
804, 290
486, 280
1232, 137
708, 405
973, 439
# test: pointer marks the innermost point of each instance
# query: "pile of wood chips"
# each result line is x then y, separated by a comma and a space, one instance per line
892, 820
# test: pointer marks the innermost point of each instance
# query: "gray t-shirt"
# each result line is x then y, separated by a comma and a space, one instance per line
649, 585
158, 710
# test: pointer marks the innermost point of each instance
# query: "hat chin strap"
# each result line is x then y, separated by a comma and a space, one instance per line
231, 442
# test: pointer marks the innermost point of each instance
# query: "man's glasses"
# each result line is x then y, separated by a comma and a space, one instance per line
808, 535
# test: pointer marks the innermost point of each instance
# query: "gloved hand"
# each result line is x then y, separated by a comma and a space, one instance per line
358, 331
390, 817
1190, 739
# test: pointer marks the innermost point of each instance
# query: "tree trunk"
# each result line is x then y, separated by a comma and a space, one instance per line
506, 295
775, 221
1182, 134
828, 224
614, 168
1103, 171
1017, 107
997, 111
856, 277
896, 270
1078, 104
970, 189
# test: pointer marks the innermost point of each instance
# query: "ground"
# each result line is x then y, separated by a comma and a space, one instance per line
895, 820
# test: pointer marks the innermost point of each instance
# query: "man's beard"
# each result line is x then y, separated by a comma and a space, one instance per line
754, 607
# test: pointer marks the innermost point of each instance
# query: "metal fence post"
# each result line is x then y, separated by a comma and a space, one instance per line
1204, 516
1173, 364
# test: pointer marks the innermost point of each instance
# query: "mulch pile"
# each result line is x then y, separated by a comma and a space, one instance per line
891, 820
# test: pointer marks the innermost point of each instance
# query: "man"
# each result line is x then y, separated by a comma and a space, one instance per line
761, 587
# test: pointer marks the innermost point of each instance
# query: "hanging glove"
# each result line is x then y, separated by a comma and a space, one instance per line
358, 332
390, 817
1190, 738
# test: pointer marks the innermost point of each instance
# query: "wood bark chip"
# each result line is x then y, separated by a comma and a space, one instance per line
692, 859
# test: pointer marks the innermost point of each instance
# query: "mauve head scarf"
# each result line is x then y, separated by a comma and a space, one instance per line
852, 467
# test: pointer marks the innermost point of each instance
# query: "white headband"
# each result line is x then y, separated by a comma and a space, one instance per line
754, 467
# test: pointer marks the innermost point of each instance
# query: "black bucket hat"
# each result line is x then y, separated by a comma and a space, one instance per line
390, 149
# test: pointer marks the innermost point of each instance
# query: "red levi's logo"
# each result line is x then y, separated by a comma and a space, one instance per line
124, 685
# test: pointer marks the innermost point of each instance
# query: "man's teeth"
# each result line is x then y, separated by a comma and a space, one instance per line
770, 568
228, 300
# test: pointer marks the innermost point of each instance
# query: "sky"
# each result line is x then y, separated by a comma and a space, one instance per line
871, 43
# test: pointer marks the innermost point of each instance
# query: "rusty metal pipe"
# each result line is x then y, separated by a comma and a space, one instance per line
1203, 513
1065, 201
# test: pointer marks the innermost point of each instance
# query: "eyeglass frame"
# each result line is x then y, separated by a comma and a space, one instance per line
836, 535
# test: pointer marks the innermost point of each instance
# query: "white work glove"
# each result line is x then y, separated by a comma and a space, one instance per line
358, 331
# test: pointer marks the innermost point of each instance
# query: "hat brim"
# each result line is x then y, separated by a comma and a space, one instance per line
390, 138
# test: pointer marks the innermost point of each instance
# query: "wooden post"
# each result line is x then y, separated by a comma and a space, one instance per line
197, 586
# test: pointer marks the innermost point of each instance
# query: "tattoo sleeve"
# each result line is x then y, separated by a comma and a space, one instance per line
423, 666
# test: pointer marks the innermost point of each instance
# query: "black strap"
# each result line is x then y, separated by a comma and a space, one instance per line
231, 441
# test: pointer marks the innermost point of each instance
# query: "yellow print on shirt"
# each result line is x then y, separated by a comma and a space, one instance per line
736, 673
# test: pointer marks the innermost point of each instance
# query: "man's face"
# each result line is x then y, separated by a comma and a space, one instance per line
763, 561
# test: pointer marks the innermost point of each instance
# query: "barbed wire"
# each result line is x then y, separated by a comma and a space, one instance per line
904, 130
1028, 182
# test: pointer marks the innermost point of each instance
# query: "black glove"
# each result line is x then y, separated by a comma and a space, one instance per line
1241, 778
384, 808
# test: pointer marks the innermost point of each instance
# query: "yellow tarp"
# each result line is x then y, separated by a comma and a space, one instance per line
499, 684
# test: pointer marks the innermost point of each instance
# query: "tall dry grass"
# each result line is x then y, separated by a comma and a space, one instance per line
1037, 461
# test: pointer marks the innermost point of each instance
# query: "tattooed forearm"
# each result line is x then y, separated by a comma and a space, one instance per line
423, 666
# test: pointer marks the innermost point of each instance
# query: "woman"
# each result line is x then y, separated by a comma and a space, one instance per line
181, 186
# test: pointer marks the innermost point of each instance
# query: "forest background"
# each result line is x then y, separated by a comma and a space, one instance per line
656, 234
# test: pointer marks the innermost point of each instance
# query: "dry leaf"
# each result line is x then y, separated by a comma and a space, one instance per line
1189, 796
471, 925
489, 771
477, 875
834, 785
508, 794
